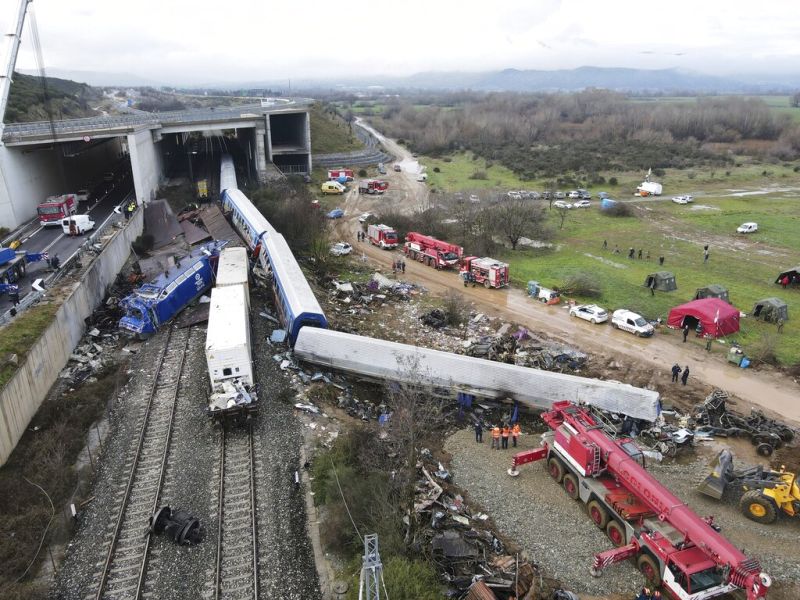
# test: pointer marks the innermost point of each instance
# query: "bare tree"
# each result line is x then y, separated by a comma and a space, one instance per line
563, 213
516, 219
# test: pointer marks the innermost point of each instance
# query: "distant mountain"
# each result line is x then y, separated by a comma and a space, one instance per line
619, 79
101, 78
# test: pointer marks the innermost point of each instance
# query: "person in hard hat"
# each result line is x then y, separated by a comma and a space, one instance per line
515, 431
496, 437
506, 432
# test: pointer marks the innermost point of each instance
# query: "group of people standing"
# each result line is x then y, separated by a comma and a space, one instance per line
500, 435
633, 253
676, 371
399, 266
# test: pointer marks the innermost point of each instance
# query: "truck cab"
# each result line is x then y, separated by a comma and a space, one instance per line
55, 208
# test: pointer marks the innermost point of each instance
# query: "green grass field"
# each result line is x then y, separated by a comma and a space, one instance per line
678, 233
331, 134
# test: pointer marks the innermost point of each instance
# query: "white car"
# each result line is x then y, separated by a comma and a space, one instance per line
574, 195
747, 228
560, 195
631, 322
582, 204
82, 195
362, 218
514, 196
474, 198
562, 204
341, 248
589, 312
680, 200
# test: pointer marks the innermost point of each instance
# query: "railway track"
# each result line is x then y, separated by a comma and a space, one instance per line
125, 565
236, 572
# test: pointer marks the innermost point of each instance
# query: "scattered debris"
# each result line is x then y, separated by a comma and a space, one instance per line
180, 526
435, 318
232, 399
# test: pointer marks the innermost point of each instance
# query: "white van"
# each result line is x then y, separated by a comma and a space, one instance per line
632, 322
83, 223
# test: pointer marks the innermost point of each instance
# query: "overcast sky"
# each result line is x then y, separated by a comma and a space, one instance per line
199, 41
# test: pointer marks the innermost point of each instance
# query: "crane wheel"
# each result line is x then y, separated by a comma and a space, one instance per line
648, 567
757, 507
616, 533
486, 283
556, 469
570, 484
597, 513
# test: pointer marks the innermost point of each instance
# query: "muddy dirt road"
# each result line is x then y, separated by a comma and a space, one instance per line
771, 391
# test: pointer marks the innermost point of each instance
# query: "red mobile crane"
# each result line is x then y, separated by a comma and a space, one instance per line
433, 252
674, 547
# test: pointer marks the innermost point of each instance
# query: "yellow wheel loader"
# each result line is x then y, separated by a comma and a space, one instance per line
766, 493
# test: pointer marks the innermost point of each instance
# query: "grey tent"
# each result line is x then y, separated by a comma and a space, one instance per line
663, 281
771, 309
712, 291
793, 274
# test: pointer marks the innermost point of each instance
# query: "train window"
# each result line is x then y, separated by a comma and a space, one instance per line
227, 372
236, 369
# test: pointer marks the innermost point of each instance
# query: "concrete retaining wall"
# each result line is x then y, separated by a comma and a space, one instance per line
24, 393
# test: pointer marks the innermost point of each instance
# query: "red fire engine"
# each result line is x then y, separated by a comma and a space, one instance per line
372, 186
383, 236
488, 271
432, 252
55, 208
674, 548
335, 174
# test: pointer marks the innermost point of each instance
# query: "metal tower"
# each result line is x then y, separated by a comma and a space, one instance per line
371, 570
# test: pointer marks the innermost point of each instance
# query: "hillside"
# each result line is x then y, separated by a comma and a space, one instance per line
68, 99
330, 133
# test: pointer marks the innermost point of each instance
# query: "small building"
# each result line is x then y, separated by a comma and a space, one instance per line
712, 291
771, 310
663, 281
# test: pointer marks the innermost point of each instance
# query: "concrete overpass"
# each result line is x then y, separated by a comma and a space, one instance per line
43, 158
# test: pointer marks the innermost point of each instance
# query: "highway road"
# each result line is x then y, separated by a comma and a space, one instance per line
52, 240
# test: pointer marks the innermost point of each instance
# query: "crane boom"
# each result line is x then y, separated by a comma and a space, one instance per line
9, 58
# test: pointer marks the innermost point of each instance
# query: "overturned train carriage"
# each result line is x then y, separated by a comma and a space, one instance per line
389, 361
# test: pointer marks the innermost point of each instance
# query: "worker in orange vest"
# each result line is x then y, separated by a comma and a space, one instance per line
506, 433
496, 437
515, 431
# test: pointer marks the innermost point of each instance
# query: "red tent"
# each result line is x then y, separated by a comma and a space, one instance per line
717, 317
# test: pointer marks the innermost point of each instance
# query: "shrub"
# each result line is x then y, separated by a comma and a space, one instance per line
612, 181
479, 175
582, 284
620, 209
764, 350
362, 172
447, 159
455, 309
437, 170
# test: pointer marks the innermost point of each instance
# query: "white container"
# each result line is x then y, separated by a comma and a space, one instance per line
232, 269
228, 336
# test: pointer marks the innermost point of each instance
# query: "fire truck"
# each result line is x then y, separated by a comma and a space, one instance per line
337, 174
55, 208
488, 271
672, 546
372, 186
432, 252
383, 236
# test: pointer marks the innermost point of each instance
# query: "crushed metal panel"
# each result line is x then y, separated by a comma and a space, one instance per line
381, 359
194, 235
161, 223
480, 591
452, 546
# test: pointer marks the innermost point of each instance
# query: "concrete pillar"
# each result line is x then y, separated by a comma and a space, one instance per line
147, 164
261, 155
308, 140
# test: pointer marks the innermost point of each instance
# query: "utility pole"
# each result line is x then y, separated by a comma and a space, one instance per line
371, 570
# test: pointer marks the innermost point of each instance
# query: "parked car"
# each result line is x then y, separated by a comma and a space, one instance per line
80, 223
562, 204
747, 228
422, 177
341, 248
589, 312
532, 195
560, 195
397, 168
680, 200
631, 322
584, 195
362, 218
574, 195
514, 196
381, 169
582, 204
474, 198
336, 213
603, 195
82, 195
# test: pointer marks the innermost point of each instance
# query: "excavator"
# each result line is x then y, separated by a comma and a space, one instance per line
766, 492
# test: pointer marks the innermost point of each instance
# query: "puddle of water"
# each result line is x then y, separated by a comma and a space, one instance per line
761, 192
605, 261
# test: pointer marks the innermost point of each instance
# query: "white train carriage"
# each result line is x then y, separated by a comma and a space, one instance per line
227, 175
228, 337
233, 269
296, 302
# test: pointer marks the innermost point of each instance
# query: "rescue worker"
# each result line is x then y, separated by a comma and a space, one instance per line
506, 433
73, 230
685, 375
13, 293
656, 595
496, 437
676, 370
478, 432
644, 594
515, 431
